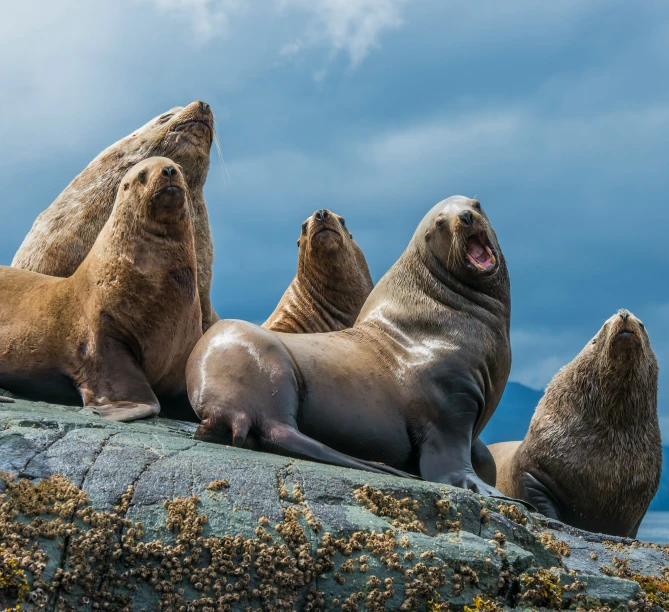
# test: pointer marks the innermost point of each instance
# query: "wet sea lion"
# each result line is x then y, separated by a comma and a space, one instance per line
411, 384
64, 233
593, 453
332, 280
118, 331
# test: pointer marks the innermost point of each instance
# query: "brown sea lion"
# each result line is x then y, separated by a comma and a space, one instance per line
593, 453
118, 331
411, 384
332, 280
64, 233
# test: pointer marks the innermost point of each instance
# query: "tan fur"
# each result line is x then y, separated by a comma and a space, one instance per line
118, 331
332, 280
594, 440
64, 233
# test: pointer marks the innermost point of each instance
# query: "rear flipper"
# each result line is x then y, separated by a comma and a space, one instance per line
282, 439
285, 440
6, 400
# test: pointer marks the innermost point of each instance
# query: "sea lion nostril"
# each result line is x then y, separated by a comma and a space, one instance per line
623, 315
466, 217
204, 107
321, 215
169, 171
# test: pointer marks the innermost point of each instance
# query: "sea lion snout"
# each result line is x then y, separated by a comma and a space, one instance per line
626, 332
466, 217
169, 171
324, 227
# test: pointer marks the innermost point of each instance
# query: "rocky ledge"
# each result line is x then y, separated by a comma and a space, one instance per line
139, 516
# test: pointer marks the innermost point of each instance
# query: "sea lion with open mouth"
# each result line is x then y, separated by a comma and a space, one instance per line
64, 233
118, 332
593, 453
411, 384
332, 280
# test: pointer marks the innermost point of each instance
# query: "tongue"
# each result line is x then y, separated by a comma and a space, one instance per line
475, 248
479, 254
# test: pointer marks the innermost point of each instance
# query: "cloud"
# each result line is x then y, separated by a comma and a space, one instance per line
208, 18
353, 26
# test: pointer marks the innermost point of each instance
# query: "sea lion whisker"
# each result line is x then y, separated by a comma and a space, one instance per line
217, 142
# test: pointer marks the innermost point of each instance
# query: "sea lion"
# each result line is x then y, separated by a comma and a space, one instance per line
332, 280
64, 233
593, 453
118, 331
411, 384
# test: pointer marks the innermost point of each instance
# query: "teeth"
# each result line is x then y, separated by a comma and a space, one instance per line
492, 258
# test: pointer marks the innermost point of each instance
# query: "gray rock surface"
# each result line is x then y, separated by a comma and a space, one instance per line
138, 524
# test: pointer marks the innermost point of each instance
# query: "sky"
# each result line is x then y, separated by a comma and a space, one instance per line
555, 115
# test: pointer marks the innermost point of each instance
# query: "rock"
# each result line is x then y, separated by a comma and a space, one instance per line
104, 515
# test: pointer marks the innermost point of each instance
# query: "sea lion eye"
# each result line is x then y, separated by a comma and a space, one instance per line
476, 205
641, 325
142, 176
343, 221
181, 169
165, 118
126, 186
304, 227
440, 223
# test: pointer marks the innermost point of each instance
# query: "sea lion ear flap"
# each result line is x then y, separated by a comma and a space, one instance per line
298, 242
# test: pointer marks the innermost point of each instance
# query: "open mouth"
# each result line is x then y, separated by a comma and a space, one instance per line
479, 253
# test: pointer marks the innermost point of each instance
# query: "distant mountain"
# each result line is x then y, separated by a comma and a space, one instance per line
512, 419
513, 415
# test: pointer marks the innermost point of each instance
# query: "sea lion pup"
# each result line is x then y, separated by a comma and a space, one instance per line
411, 384
332, 280
63, 234
593, 454
118, 331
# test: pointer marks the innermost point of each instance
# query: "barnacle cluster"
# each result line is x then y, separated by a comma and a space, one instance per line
401, 511
513, 513
57, 551
558, 547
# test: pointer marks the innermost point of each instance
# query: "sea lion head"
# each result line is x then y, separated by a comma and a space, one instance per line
329, 254
154, 192
622, 341
183, 134
457, 235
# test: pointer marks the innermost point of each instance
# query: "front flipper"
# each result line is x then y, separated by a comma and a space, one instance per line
446, 450
539, 496
125, 411
484, 463
6, 400
116, 388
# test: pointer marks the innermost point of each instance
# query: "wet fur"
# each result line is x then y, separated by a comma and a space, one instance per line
411, 384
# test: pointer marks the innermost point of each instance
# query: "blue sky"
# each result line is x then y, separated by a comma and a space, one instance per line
554, 115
